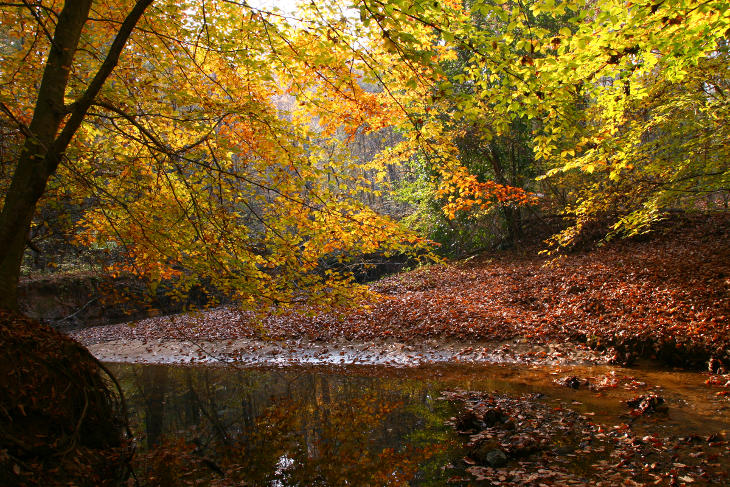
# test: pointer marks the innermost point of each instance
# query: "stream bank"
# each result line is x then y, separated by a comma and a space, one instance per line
665, 297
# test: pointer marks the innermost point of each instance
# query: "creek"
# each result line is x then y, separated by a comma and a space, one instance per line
378, 425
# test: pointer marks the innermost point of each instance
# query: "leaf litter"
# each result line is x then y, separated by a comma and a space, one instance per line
525, 440
665, 298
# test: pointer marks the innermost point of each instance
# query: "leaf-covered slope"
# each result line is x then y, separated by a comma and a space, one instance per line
667, 296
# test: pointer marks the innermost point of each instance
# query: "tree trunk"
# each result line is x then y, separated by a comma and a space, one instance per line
44, 145
37, 162
511, 215
513, 219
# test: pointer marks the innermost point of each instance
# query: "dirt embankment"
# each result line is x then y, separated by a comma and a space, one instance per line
62, 422
74, 301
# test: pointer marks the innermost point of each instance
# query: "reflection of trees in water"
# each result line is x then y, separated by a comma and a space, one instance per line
152, 383
297, 428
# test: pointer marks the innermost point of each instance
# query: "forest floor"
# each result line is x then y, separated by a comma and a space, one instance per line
665, 296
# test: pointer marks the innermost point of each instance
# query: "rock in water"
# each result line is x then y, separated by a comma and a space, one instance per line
496, 458
647, 404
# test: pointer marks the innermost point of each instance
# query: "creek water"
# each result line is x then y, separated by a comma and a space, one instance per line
375, 425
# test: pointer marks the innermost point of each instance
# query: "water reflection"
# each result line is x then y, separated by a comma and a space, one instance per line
364, 426
223, 426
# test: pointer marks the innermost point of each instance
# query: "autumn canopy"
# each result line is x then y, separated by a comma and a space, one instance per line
216, 142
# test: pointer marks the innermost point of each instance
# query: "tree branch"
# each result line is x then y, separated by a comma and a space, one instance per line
81, 106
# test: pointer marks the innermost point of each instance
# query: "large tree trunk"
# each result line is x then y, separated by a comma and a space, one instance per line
36, 162
44, 145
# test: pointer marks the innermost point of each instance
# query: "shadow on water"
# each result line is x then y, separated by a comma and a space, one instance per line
369, 425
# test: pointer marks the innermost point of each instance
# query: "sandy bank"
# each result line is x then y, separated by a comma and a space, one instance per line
379, 352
